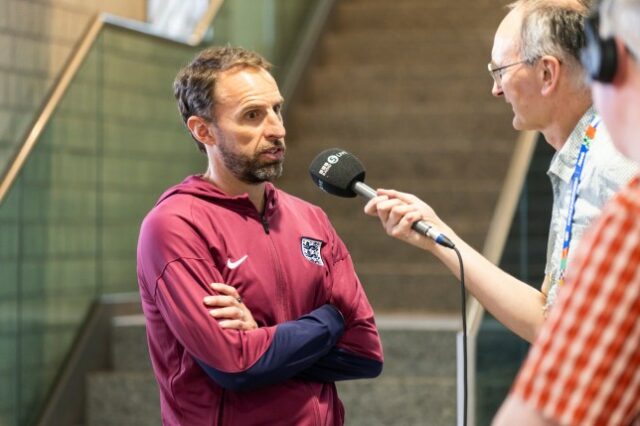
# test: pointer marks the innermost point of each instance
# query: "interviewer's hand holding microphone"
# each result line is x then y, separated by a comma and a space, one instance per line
340, 173
398, 211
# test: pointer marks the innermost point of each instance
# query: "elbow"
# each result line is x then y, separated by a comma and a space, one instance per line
533, 331
234, 382
374, 371
237, 382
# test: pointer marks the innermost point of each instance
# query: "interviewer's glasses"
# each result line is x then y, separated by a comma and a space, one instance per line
497, 73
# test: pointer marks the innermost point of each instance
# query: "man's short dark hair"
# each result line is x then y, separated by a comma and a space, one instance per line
194, 86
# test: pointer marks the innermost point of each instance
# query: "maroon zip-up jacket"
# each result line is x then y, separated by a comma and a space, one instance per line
293, 272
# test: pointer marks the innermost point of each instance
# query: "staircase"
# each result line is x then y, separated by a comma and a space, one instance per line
409, 392
402, 85
127, 394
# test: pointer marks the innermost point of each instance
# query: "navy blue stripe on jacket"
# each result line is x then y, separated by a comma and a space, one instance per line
296, 346
339, 364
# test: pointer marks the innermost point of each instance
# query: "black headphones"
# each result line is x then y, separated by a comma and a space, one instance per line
599, 56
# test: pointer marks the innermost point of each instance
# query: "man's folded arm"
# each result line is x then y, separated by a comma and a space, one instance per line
340, 364
296, 346
358, 353
240, 360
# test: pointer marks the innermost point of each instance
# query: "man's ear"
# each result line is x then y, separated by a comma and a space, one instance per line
201, 130
549, 74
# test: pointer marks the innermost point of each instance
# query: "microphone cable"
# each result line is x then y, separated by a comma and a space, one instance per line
463, 305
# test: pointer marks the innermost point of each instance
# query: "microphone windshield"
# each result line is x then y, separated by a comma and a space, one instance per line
335, 171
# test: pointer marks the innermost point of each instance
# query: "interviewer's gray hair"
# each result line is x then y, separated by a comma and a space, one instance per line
555, 28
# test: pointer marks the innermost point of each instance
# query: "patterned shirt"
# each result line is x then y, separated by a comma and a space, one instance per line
605, 172
584, 368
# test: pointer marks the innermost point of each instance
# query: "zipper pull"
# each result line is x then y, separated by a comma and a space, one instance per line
265, 224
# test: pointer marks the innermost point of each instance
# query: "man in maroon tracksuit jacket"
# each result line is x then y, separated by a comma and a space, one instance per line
303, 322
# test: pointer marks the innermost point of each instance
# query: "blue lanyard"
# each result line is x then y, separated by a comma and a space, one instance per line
589, 135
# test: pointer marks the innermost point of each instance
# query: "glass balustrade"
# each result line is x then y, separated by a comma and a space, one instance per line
69, 224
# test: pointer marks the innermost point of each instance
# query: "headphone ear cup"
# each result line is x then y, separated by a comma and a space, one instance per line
609, 63
599, 57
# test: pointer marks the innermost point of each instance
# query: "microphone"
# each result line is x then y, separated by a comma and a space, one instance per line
340, 173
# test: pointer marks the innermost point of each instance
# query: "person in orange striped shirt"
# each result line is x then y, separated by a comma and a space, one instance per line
584, 367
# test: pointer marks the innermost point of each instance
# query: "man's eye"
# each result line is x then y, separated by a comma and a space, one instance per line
252, 115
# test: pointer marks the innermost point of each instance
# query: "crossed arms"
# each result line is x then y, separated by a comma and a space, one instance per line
336, 341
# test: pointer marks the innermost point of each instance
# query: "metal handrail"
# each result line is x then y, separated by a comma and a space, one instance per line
69, 71
492, 250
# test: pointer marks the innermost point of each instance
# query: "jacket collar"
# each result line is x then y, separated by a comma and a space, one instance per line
199, 187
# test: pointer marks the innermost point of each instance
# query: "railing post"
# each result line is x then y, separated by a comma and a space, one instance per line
493, 248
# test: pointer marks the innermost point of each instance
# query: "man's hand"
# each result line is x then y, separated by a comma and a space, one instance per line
229, 310
398, 211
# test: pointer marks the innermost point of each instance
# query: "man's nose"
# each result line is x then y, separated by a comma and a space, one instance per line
496, 90
275, 126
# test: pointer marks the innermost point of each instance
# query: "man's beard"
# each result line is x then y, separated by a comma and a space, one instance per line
250, 169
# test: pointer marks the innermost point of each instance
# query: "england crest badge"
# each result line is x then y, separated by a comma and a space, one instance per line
311, 250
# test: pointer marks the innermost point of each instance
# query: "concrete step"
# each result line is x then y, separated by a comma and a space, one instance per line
395, 293
405, 86
396, 72
385, 126
431, 15
128, 399
129, 345
122, 399
471, 46
301, 150
364, 235
385, 165
448, 198
452, 107
454, 6
389, 252
465, 209
407, 401
374, 36
409, 339
419, 345
418, 381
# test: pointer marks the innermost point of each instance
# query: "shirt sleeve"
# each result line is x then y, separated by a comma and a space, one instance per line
176, 261
584, 367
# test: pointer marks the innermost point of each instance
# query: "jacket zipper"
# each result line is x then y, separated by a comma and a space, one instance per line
221, 409
280, 285
265, 224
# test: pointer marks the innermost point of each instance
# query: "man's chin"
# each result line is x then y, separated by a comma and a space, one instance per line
518, 124
267, 173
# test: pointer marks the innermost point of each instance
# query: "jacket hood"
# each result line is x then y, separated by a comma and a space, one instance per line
199, 187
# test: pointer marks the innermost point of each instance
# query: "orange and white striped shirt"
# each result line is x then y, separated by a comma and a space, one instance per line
584, 368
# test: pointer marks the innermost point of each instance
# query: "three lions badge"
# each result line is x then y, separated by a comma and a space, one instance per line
311, 250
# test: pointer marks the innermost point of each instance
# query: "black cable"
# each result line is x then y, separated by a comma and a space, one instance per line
464, 337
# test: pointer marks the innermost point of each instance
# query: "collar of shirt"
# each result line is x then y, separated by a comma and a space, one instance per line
563, 162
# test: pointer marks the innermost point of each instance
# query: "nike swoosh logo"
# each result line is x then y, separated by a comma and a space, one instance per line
234, 265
